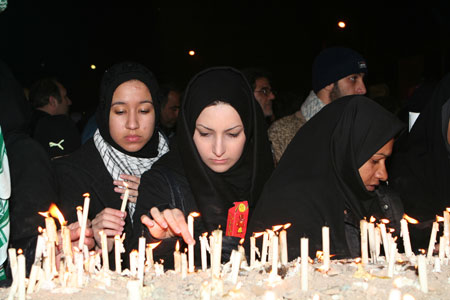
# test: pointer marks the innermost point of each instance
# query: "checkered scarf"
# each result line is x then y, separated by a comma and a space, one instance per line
118, 163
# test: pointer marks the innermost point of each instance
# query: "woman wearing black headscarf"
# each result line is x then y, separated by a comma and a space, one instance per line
328, 176
221, 156
126, 142
420, 166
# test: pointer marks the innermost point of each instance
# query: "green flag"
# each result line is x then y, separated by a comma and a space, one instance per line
5, 193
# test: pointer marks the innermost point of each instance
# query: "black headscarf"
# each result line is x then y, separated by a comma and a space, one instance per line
317, 177
215, 193
420, 166
112, 78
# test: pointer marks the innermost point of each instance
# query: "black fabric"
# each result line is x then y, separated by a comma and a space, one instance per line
420, 166
47, 129
84, 172
317, 177
112, 78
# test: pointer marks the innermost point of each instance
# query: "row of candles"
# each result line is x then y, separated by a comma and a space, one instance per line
274, 250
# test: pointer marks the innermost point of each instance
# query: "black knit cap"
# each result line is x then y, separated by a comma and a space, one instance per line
335, 63
112, 78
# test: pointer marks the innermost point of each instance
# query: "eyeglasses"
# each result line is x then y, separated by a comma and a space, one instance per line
266, 91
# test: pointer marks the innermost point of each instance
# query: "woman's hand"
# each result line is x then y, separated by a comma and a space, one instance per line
111, 222
168, 223
133, 186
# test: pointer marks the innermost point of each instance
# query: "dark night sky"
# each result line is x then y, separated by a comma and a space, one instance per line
63, 38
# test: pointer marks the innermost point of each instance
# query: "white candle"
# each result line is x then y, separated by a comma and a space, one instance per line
21, 275
304, 261
252, 251
432, 242
33, 277
50, 227
372, 247
125, 198
141, 259
13, 261
67, 243
117, 253
84, 221
264, 248
283, 246
149, 255
203, 242
216, 249
274, 256
134, 290
191, 247
236, 263
405, 236
392, 252
40, 246
177, 258
377, 242
437, 265
442, 241
105, 257
79, 215
133, 262
382, 227
364, 249
326, 247
446, 224
422, 266
184, 266
80, 270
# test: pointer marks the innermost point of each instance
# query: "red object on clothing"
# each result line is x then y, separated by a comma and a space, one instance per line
237, 219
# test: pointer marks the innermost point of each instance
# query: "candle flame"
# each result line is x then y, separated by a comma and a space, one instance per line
205, 234
447, 209
56, 213
79, 208
134, 252
125, 184
439, 219
194, 214
319, 255
117, 237
20, 251
372, 219
287, 225
86, 195
391, 230
395, 239
422, 251
177, 246
153, 245
385, 221
241, 241
40, 229
258, 234
409, 219
185, 250
277, 227
92, 253
44, 214
358, 260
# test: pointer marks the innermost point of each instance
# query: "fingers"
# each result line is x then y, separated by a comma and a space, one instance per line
147, 221
158, 217
133, 186
110, 220
180, 222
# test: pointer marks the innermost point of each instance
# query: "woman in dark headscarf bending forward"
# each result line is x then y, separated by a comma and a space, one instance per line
328, 176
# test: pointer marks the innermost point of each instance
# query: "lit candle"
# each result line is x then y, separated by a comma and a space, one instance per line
264, 248
79, 215
326, 247
117, 252
177, 258
79, 264
104, 244
149, 253
40, 246
372, 247
203, 242
21, 275
283, 244
382, 227
236, 263
446, 224
269, 244
242, 251
216, 249
184, 266
141, 259
405, 236
50, 228
304, 261
432, 242
13, 262
422, 266
125, 198
364, 249
133, 262
191, 247
84, 220
274, 271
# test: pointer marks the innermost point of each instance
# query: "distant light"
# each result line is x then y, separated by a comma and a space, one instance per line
191, 52
93, 67
342, 24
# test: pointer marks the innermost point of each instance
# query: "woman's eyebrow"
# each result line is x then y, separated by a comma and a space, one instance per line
234, 127
123, 103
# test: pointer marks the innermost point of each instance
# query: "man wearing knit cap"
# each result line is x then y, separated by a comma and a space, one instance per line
336, 72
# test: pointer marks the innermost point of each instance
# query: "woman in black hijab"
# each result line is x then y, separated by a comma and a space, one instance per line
420, 166
208, 179
328, 176
125, 145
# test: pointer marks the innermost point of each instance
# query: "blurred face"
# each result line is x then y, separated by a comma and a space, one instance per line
350, 85
62, 108
374, 169
264, 95
132, 116
169, 113
219, 137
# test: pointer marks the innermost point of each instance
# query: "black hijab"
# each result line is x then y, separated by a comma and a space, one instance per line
215, 193
112, 78
420, 166
317, 177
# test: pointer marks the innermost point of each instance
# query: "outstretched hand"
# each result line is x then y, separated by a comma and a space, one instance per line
167, 224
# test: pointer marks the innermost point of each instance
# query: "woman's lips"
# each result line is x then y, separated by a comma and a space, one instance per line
219, 161
132, 138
